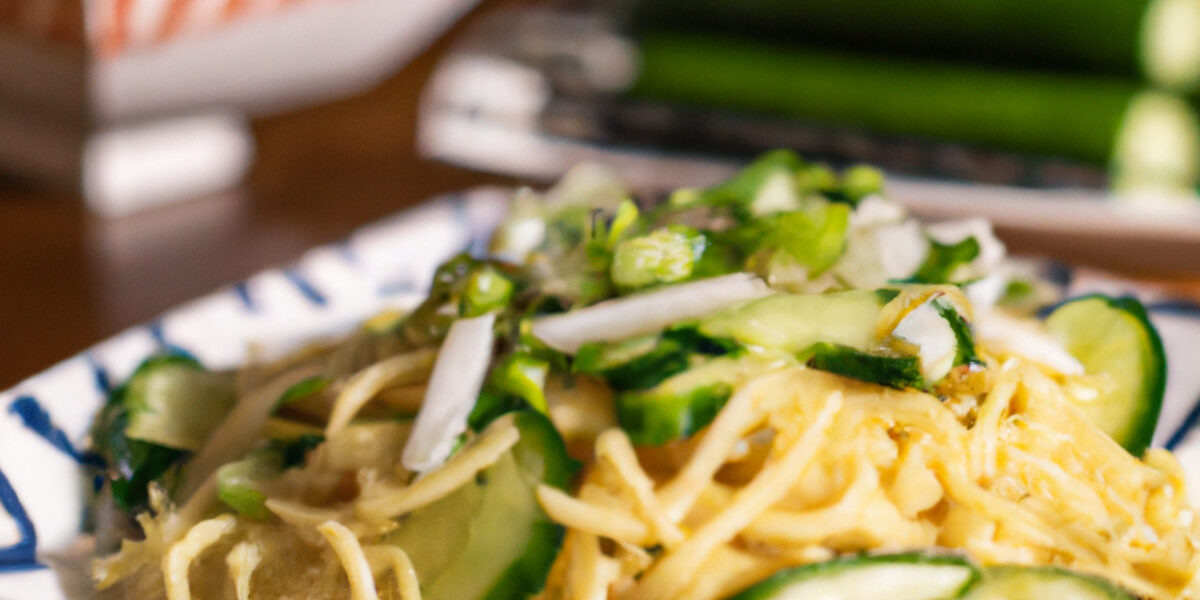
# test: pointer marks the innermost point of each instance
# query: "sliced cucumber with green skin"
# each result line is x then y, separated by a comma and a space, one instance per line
913, 576
685, 403
303, 389
490, 539
897, 372
645, 361
1113, 337
176, 403
1039, 583
655, 417
635, 363
151, 421
793, 323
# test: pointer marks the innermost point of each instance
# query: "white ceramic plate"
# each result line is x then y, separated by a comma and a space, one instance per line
326, 293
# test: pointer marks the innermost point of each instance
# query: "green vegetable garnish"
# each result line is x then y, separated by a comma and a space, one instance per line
965, 341
240, 484
642, 362
897, 372
655, 417
860, 181
943, 260
911, 576
684, 403
487, 290
490, 539
303, 389
1114, 339
626, 217
814, 238
524, 376
150, 423
517, 382
663, 256
741, 190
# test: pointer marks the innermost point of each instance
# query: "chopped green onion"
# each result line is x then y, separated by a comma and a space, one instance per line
814, 238
741, 190
860, 181
815, 179
240, 484
662, 256
303, 389
627, 216
487, 290
523, 376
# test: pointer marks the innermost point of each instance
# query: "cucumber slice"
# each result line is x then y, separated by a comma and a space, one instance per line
897, 372
636, 363
1036, 583
912, 576
176, 403
1113, 337
150, 423
685, 403
490, 539
793, 323
645, 361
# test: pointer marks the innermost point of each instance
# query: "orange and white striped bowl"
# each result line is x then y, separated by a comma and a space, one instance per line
145, 101
111, 27
153, 57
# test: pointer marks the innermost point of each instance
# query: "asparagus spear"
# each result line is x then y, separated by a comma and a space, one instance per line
1149, 139
1157, 38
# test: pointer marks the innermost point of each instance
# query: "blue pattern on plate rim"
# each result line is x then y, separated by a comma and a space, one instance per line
305, 287
36, 419
158, 332
242, 290
99, 375
438, 230
1189, 423
21, 556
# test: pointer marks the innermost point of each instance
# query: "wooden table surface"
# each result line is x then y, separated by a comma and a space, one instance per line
69, 279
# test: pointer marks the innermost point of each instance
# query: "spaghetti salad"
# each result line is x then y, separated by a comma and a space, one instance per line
775, 387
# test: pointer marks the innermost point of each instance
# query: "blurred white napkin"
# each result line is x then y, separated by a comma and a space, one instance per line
126, 169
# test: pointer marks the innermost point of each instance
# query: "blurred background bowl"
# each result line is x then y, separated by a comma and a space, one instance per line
141, 102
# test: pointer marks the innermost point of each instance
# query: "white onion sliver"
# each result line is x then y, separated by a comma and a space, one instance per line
928, 330
458, 374
650, 312
1013, 336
